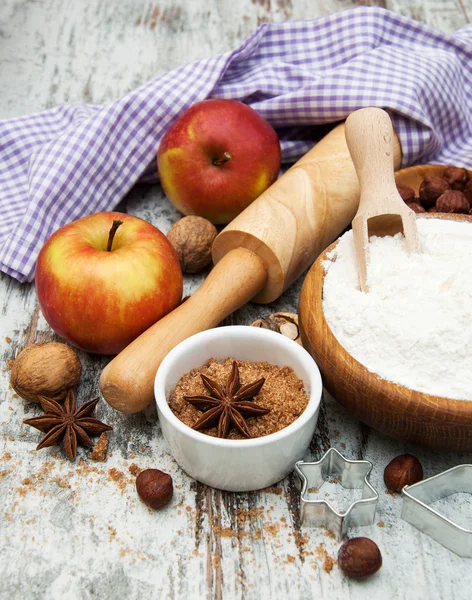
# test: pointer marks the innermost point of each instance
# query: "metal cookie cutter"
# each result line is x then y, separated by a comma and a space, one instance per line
416, 511
352, 474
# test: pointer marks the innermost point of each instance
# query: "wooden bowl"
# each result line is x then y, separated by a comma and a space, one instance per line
431, 421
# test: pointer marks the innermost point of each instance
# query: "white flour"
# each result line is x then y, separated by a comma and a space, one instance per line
414, 327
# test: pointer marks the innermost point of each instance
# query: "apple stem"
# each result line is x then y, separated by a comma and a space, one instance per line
111, 235
222, 159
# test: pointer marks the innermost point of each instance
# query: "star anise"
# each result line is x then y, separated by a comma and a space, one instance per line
228, 405
67, 423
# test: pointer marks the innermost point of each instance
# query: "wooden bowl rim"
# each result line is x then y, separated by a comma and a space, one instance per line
396, 395
422, 167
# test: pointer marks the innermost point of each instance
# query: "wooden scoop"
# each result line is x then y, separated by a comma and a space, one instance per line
369, 136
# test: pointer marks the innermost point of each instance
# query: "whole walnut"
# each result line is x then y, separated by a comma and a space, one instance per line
456, 177
48, 369
415, 207
430, 190
407, 193
192, 238
452, 201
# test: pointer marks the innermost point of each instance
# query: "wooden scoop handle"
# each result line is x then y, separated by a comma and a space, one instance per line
127, 382
370, 136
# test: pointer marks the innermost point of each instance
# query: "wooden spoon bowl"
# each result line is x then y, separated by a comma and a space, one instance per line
431, 421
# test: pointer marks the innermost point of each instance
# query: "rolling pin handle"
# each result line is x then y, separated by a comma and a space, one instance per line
127, 382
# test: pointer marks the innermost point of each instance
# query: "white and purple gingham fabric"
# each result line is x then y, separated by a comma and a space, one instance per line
61, 164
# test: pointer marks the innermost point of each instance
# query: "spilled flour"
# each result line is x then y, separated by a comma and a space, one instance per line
414, 326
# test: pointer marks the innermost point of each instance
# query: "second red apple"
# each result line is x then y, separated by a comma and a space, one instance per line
217, 158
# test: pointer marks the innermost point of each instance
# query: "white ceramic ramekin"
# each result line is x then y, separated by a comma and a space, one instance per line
237, 465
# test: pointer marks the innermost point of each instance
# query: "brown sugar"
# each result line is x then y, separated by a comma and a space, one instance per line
99, 452
274, 490
283, 393
328, 561
328, 564
330, 534
115, 474
134, 469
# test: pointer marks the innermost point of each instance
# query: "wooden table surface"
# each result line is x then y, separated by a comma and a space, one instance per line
76, 529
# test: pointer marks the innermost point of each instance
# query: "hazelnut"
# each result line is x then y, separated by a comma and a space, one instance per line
402, 470
407, 193
49, 369
359, 558
430, 190
415, 207
456, 177
452, 201
468, 192
192, 238
154, 487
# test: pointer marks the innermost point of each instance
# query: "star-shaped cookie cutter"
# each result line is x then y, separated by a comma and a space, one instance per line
352, 474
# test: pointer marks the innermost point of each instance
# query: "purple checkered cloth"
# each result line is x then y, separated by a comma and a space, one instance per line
61, 164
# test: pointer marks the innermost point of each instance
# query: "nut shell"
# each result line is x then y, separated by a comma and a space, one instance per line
456, 177
192, 238
155, 488
452, 201
430, 190
359, 558
402, 470
281, 322
48, 369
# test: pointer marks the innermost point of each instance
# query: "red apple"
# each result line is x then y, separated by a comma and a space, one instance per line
216, 158
98, 299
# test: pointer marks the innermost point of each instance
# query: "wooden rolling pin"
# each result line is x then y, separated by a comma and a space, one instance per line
257, 256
